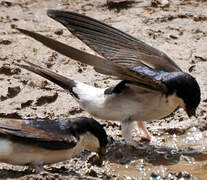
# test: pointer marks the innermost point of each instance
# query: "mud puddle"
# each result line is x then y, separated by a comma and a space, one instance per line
177, 157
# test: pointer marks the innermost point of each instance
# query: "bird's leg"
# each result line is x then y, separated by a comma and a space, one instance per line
127, 128
127, 131
146, 132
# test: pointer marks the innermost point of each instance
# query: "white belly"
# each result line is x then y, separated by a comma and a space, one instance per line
23, 154
17, 153
140, 107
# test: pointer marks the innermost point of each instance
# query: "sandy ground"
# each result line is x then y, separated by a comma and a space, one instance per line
176, 27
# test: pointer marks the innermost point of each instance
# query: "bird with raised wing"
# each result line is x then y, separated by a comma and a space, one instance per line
35, 143
152, 86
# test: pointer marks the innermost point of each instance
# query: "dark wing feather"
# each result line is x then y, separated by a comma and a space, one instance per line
52, 134
112, 43
101, 65
58, 79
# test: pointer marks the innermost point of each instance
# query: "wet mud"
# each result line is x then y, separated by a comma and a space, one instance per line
179, 28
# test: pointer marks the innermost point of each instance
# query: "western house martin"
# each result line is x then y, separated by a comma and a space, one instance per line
38, 142
152, 86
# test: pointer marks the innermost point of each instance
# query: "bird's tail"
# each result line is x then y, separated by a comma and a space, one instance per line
65, 83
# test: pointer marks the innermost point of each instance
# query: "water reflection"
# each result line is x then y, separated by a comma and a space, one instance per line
120, 152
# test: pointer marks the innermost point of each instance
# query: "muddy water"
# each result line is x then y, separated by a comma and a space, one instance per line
186, 153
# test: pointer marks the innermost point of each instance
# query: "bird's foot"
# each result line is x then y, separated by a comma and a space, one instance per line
134, 138
35, 168
145, 139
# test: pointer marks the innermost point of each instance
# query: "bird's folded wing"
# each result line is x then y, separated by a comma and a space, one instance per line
112, 43
46, 133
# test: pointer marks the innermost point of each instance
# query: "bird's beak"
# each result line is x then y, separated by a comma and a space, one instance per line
101, 154
191, 112
99, 158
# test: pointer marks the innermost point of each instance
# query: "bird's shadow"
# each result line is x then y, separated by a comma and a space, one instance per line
122, 153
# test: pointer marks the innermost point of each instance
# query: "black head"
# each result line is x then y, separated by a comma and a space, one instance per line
186, 88
82, 125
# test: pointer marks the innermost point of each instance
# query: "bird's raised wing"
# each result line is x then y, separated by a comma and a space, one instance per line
112, 43
51, 134
101, 65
